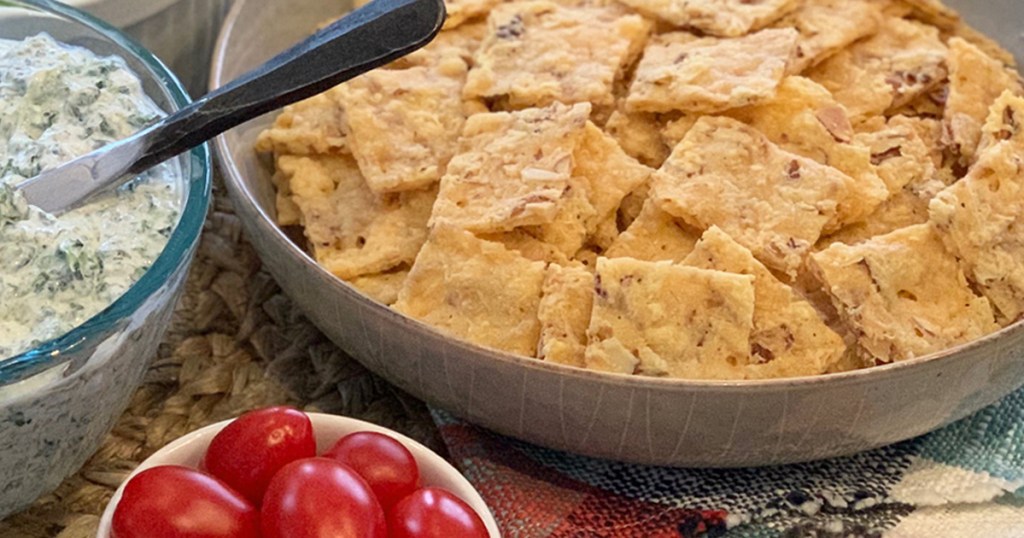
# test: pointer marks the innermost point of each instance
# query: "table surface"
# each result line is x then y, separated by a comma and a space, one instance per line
236, 343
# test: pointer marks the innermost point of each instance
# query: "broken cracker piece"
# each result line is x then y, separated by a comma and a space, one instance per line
512, 169
727, 18
564, 314
902, 294
660, 319
609, 172
776, 203
709, 75
654, 236
639, 134
476, 290
382, 287
459, 11
353, 231
1005, 122
981, 220
310, 127
539, 52
904, 60
404, 124
789, 338
828, 26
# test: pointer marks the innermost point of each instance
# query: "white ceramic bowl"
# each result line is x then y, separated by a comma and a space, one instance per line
627, 418
188, 450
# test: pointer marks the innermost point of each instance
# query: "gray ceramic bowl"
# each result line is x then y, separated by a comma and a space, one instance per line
59, 399
653, 421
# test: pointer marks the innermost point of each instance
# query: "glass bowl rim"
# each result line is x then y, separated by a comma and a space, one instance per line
60, 350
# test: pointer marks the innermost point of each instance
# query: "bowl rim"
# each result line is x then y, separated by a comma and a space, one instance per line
232, 175
199, 180
419, 450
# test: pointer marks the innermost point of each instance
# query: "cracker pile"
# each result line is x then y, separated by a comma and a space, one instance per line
698, 189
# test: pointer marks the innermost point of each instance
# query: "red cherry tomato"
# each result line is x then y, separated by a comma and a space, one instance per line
386, 465
434, 513
319, 497
173, 501
253, 447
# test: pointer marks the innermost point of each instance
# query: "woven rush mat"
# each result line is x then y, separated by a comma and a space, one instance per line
236, 343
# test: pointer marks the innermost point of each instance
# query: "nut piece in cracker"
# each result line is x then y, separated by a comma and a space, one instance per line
353, 231
309, 127
512, 169
1005, 122
660, 319
828, 26
681, 72
975, 82
565, 314
902, 294
789, 338
476, 290
654, 236
775, 203
539, 52
728, 18
803, 118
904, 60
981, 220
404, 124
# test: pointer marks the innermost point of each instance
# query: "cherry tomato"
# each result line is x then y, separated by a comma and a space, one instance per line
173, 501
320, 497
386, 465
253, 447
434, 513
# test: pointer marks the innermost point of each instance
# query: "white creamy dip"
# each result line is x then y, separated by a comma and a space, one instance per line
56, 103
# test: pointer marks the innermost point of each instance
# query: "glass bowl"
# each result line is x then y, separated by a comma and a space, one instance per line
58, 400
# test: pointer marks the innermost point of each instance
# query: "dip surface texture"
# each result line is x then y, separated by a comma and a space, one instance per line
57, 103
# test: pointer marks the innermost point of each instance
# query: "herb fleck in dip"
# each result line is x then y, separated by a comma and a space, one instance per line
57, 103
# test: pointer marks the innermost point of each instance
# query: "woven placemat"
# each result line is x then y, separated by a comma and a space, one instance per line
236, 343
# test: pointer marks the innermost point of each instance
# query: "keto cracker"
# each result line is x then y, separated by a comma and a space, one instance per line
654, 236
1005, 122
803, 118
981, 220
539, 52
564, 314
902, 294
459, 11
727, 18
310, 127
404, 124
904, 60
382, 287
660, 319
828, 26
352, 231
610, 173
512, 169
475, 290
789, 338
975, 82
639, 135
775, 203
679, 72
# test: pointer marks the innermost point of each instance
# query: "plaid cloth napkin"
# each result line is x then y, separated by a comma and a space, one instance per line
966, 480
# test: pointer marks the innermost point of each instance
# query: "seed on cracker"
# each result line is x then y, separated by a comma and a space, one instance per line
660, 319
828, 26
775, 203
902, 294
904, 60
981, 220
540, 52
565, 314
475, 290
654, 236
727, 18
309, 127
404, 124
975, 82
512, 169
789, 338
803, 118
680, 72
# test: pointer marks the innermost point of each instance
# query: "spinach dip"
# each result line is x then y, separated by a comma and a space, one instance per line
56, 103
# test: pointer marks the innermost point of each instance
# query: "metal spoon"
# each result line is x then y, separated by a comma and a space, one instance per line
369, 37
